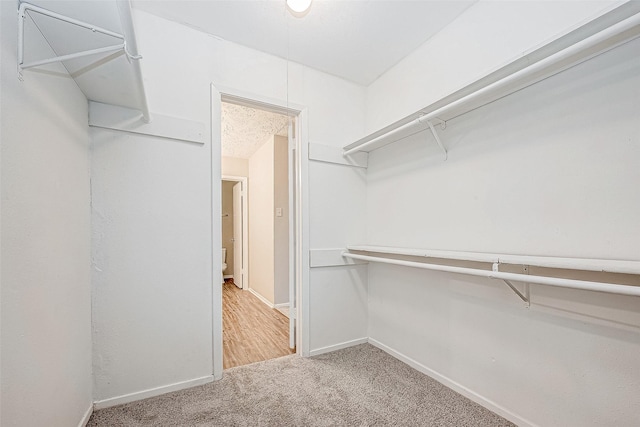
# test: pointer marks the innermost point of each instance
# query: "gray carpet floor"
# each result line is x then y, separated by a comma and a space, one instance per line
357, 386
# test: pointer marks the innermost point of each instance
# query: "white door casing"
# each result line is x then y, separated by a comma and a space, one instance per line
238, 261
299, 218
293, 172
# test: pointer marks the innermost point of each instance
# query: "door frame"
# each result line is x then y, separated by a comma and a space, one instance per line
300, 249
245, 225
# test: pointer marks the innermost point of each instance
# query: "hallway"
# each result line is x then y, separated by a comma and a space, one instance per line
252, 332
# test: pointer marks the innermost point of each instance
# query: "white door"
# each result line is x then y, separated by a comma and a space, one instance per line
238, 261
293, 173
216, 231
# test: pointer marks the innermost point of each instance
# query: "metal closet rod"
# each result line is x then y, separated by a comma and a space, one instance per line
540, 280
607, 34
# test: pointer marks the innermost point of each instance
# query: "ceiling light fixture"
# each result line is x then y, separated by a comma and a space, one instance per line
298, 7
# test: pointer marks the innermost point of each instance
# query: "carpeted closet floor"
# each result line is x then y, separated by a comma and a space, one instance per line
357, 386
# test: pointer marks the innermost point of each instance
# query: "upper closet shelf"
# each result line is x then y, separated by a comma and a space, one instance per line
598, 36
95, 41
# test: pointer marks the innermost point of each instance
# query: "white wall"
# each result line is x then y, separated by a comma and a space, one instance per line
338, 218
281, 223
233, 166
261, 221
268, 233
154, 259
485, 37
46, 305
152, 311
551, 170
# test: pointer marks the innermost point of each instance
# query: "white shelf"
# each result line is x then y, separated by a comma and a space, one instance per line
598, 36
95, 41
586, 264
506, 277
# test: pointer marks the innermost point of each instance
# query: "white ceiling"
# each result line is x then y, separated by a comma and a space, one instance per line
354, 39
245, 129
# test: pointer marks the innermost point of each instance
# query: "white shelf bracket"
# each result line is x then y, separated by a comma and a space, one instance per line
524, 297
435, 135
22, 14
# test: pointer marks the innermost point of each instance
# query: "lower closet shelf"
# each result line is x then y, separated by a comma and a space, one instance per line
389, 255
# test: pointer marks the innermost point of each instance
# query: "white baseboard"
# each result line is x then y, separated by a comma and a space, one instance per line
284, 309
85, 418
228, 276
340, 346
459, 388
261, 298
152, 392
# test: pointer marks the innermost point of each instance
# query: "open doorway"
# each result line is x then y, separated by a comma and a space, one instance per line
235, 233
256, 230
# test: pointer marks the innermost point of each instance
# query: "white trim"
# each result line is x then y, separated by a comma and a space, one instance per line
261, 298
123, 119
330, 154
284, 309
453, 385
245, 225
330, 258
85, 418
228, 276
303, 334
301, 314
152, 392
330, 348
248, 99
292, 147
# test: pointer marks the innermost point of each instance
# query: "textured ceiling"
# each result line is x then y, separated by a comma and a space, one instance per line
354, 39
245, 129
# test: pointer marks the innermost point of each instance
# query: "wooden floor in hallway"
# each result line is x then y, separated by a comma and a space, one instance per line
252, 332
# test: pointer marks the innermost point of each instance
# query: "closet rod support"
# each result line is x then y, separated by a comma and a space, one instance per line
21, 17
435, 135
527, 303
72, 56
496, 267
391, 132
